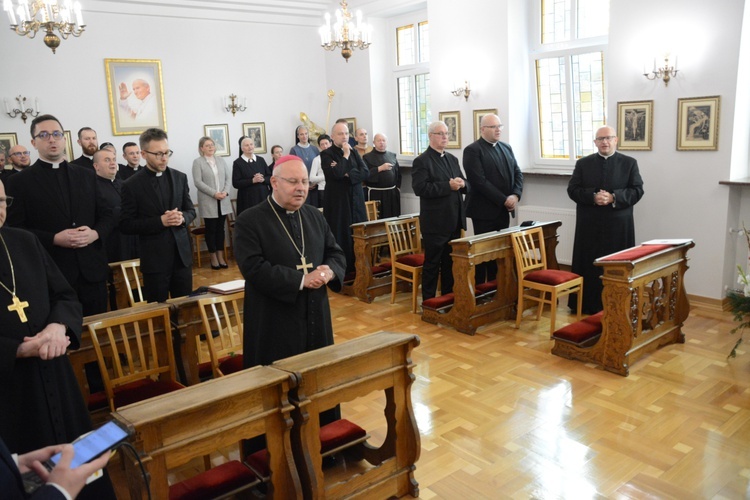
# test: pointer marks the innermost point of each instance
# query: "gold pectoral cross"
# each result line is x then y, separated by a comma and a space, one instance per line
19, 307
304, 266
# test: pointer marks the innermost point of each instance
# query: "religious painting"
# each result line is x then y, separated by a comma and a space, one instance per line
698, 123
452, 120
351, 124
7, 141
68, 146
635, 125
220, 135
136, 95
257, 132
478, 115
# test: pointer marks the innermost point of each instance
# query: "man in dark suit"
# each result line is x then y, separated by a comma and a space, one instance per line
438, 181
132, 155
156, 205
496, 182
20, 158
89, 145
59, 203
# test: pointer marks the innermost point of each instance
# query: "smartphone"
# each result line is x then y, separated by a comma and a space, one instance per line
91, 445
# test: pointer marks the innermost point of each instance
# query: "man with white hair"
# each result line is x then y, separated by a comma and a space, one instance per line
138, 107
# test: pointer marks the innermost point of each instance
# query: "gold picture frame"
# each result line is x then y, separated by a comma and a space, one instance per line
140, 81
7, 141
698, 123
635, 120
351, 124
68, 146
220, 135
452, 120
478, 115
258, 133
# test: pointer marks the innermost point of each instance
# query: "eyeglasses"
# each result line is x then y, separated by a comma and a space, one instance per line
441, 134
46, 135
6, 202
605, 138
295, 182
160, 155
21, 153
494, 127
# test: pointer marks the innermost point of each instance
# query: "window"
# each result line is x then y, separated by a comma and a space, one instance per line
413, 83
569, 67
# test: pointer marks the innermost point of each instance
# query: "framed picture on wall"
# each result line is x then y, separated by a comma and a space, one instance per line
351, 123
7, 141
452, 120
220, 135
257, 131
478, 115
635, 125
68, 146
136, 95
698, 123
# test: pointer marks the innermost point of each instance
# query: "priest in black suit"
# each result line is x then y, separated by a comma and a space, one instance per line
438, 181
89, 145
59, 203
132, 155
156, 206
496, 186
605, 186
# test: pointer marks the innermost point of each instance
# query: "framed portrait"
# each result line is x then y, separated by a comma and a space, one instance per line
258, 132
478, 115
136, 95
698, 123
220, 135
452, 120
7, 141
351, 123
68, 146
635, 125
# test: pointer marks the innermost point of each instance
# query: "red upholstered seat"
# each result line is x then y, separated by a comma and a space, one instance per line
258, 461
583, 333
143, 389
636, 253
414, 259
487, 287
220, 480
199, 230
438, 303
552, 277
231, 364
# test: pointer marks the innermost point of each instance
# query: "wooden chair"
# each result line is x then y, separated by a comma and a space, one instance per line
222, 317
533, 276
407, 258
197, 233
372, 209
231, 219
135, 355
131, 273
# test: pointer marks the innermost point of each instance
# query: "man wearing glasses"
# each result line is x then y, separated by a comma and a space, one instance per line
496, 182
156, 206
605, 186
20, 158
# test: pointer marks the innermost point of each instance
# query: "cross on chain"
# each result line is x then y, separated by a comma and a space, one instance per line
19, 307
304, 266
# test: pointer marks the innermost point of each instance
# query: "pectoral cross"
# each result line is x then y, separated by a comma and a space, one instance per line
304, 266
19, 307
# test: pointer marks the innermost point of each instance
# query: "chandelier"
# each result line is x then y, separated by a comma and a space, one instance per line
31, 16
345, 33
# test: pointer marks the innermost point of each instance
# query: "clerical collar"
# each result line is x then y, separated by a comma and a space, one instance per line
493, 144
134, 168
50, 164
249, 159
278, 206
89, 157
154, 173
607, 157
439, 153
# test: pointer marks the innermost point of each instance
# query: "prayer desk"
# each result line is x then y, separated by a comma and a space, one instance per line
466, 315
344, 372
171, 430
367, 236
645, 306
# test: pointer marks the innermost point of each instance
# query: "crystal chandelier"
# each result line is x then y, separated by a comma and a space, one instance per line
27, 18
345, 33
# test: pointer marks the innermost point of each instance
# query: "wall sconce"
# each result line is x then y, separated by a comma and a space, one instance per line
234, 104
22, 109
666, 73
464, 91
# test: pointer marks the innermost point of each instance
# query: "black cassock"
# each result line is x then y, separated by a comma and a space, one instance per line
384, 186
250, 193
602, 230
280, 319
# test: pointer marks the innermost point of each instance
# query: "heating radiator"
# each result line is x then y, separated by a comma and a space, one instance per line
566, 232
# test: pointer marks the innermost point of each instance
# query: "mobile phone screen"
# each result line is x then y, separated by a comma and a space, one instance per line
94, 444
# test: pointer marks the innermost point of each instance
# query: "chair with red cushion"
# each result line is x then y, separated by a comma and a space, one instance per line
222, 481
535, 281
220, 340
135, 355
407, 257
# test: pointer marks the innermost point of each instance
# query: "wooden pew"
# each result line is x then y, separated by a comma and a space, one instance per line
341, 373
466, 314
366, 236
171, 430
645, 306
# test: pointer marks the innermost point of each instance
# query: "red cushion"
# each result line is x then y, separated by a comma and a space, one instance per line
231, 364
381, 268
413, 259
490, 286
438, 302
636, 253
259, 462
198, 230
143, 389
551, 277
212, 483
581, 331
205, 370
97, 401
594, 318
339, 433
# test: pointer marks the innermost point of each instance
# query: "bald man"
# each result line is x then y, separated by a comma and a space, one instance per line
384, 181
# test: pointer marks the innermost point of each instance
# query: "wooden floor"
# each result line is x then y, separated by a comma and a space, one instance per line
500, 417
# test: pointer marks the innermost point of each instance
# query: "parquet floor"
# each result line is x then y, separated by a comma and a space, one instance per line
500, 417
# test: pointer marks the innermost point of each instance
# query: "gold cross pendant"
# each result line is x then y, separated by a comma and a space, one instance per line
304, 266
19, 307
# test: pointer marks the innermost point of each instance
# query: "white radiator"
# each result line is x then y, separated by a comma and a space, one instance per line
566, 232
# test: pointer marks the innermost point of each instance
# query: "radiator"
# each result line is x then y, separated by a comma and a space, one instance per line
566, 232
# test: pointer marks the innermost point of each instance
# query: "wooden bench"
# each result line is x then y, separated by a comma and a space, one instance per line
344, 372
463, 311
645, 306
171, 430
